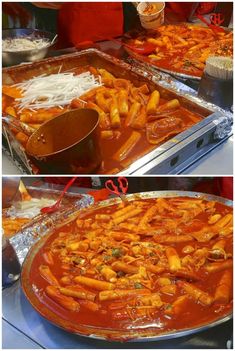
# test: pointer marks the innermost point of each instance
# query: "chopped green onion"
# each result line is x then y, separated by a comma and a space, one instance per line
107, 258
138, 286
116, 252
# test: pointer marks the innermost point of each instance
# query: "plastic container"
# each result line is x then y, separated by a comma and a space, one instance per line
153, 20
215, 90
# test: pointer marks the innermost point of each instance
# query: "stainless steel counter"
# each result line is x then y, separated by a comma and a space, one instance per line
217, 162
8, 166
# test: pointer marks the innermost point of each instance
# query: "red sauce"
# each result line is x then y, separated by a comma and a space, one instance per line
182, 48
109, 147
110, 316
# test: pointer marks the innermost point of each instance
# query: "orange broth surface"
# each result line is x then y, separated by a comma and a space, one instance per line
181, 48
164, 121
131, 313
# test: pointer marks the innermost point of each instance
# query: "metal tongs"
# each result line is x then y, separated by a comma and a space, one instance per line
114, 189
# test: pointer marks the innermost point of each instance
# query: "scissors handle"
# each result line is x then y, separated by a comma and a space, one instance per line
123, 184
217, 18
109, 184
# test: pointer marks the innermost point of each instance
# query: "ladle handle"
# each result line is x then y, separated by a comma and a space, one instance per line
68, 185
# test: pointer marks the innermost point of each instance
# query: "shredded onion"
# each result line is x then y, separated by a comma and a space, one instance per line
55, 90
24, 43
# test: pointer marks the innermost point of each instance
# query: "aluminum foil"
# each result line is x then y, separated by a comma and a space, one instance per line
171, 83
42, 224
224, 123
223, 127
164, 80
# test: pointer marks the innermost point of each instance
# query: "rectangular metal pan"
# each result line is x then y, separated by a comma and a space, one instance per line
210, 113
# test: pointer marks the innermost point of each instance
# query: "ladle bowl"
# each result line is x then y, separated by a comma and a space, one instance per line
67, 144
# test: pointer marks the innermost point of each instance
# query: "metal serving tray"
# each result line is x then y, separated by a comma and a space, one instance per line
42, 223
154, 67
107, 334
168, 157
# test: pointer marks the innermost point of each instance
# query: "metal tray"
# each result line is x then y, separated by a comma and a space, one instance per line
191, 141
37, 192
42, 223
107, 334
154, 67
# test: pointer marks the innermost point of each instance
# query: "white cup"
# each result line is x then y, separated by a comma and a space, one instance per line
154, 20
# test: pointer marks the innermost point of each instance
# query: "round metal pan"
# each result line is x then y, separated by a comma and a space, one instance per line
153, 67
108, 334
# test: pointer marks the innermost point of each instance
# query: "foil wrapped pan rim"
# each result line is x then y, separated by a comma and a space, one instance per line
42, 224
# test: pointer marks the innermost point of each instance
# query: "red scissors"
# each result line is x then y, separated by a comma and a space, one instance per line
216, 29
122, 185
